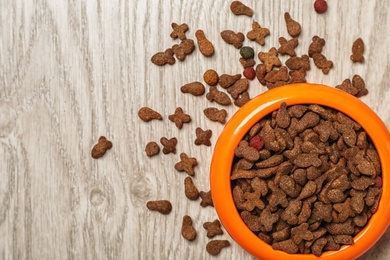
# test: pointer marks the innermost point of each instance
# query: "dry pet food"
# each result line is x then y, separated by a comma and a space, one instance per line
226, 80
215, 114
306, 179
235, 39
184, 48
214, 247
101, 147
249, 73
203, 136
213, 228
238, 8
293, 27
162, 206
270, 59
179, 31
179, 118
186, 164
320, 6
205, 46
218, 96
169, 145
288, 46
152, 149
247, 52
211, 77
194, 88
162, 58
206, 199
146, 114
358, 50
258, 33
190, 190
187, 230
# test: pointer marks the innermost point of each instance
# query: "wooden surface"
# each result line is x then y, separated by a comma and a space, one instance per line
72, 71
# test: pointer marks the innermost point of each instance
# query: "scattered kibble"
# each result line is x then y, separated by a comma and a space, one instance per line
146, 114
101, 147
238, 8
162, 206
320, 6
152, 149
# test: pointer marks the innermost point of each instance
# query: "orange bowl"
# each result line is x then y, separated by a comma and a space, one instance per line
260, 107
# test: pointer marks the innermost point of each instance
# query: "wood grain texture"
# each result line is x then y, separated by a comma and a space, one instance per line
72, 71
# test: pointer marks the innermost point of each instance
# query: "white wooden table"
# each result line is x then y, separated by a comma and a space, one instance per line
72, 71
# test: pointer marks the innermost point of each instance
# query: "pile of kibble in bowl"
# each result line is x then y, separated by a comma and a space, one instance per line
306, 179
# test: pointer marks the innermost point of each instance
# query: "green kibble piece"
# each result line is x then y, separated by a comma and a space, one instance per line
247, 52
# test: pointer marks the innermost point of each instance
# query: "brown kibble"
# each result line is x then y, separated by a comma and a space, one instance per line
179, 117
343, 239
308, 190
226, 80
218, 96
190, 190
169, 145
305, 160
101, 147
300, 233
205, 46
242, 99
203, 136
298, 63
293, 27
268, 219
357, 51
310, 119
211, 77
277, 75
322, 63
243, 150
187, 230
186, 164
162, 58
270, 58
297, 76
318, 246
316, 45
258, 33
152, 149
162, 206
235, 39
213, 228
238, 8
215, 114
146, 114
238, 88
346, 86
287, 246
183, 49
360, 85
362, 183
247, 63
288, 46
179, 31
322, 211
261, 71
207, 200
214, 247
194, 88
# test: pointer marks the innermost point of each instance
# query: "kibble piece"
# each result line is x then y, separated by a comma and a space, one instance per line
258, 33
244, 150
207, 200
162, 58
358, 50
190, 190
187, 229
322, 63
211, 77
235, 39
238, 8
146, 114
226, 80
277, 75
179, 31
152, 149
186, 164
261, 71
247, 52
288, 46
162, 206
270, 59
203, 136
247, 63
316, 45
238, 88
293, 27
213, 228
218, 96
169, 145
215, 114
184, 48
298, 63
195, 88
214, 247
101, 147
360, 85
287, 246
205, 46
318, 246
179, 117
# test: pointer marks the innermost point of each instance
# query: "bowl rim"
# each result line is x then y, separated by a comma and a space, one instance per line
264, 104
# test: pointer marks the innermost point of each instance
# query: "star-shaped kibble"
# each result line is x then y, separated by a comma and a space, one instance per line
213, 228
169, 145
206, 199
270, 59
288, 46
179, 117
203, 137
257, 33
179, 31
186, 164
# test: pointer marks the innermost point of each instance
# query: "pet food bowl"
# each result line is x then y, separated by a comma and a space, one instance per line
261, 106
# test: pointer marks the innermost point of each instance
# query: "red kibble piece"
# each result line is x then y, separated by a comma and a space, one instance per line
378, 182
320, 6
257, 142
249, 73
